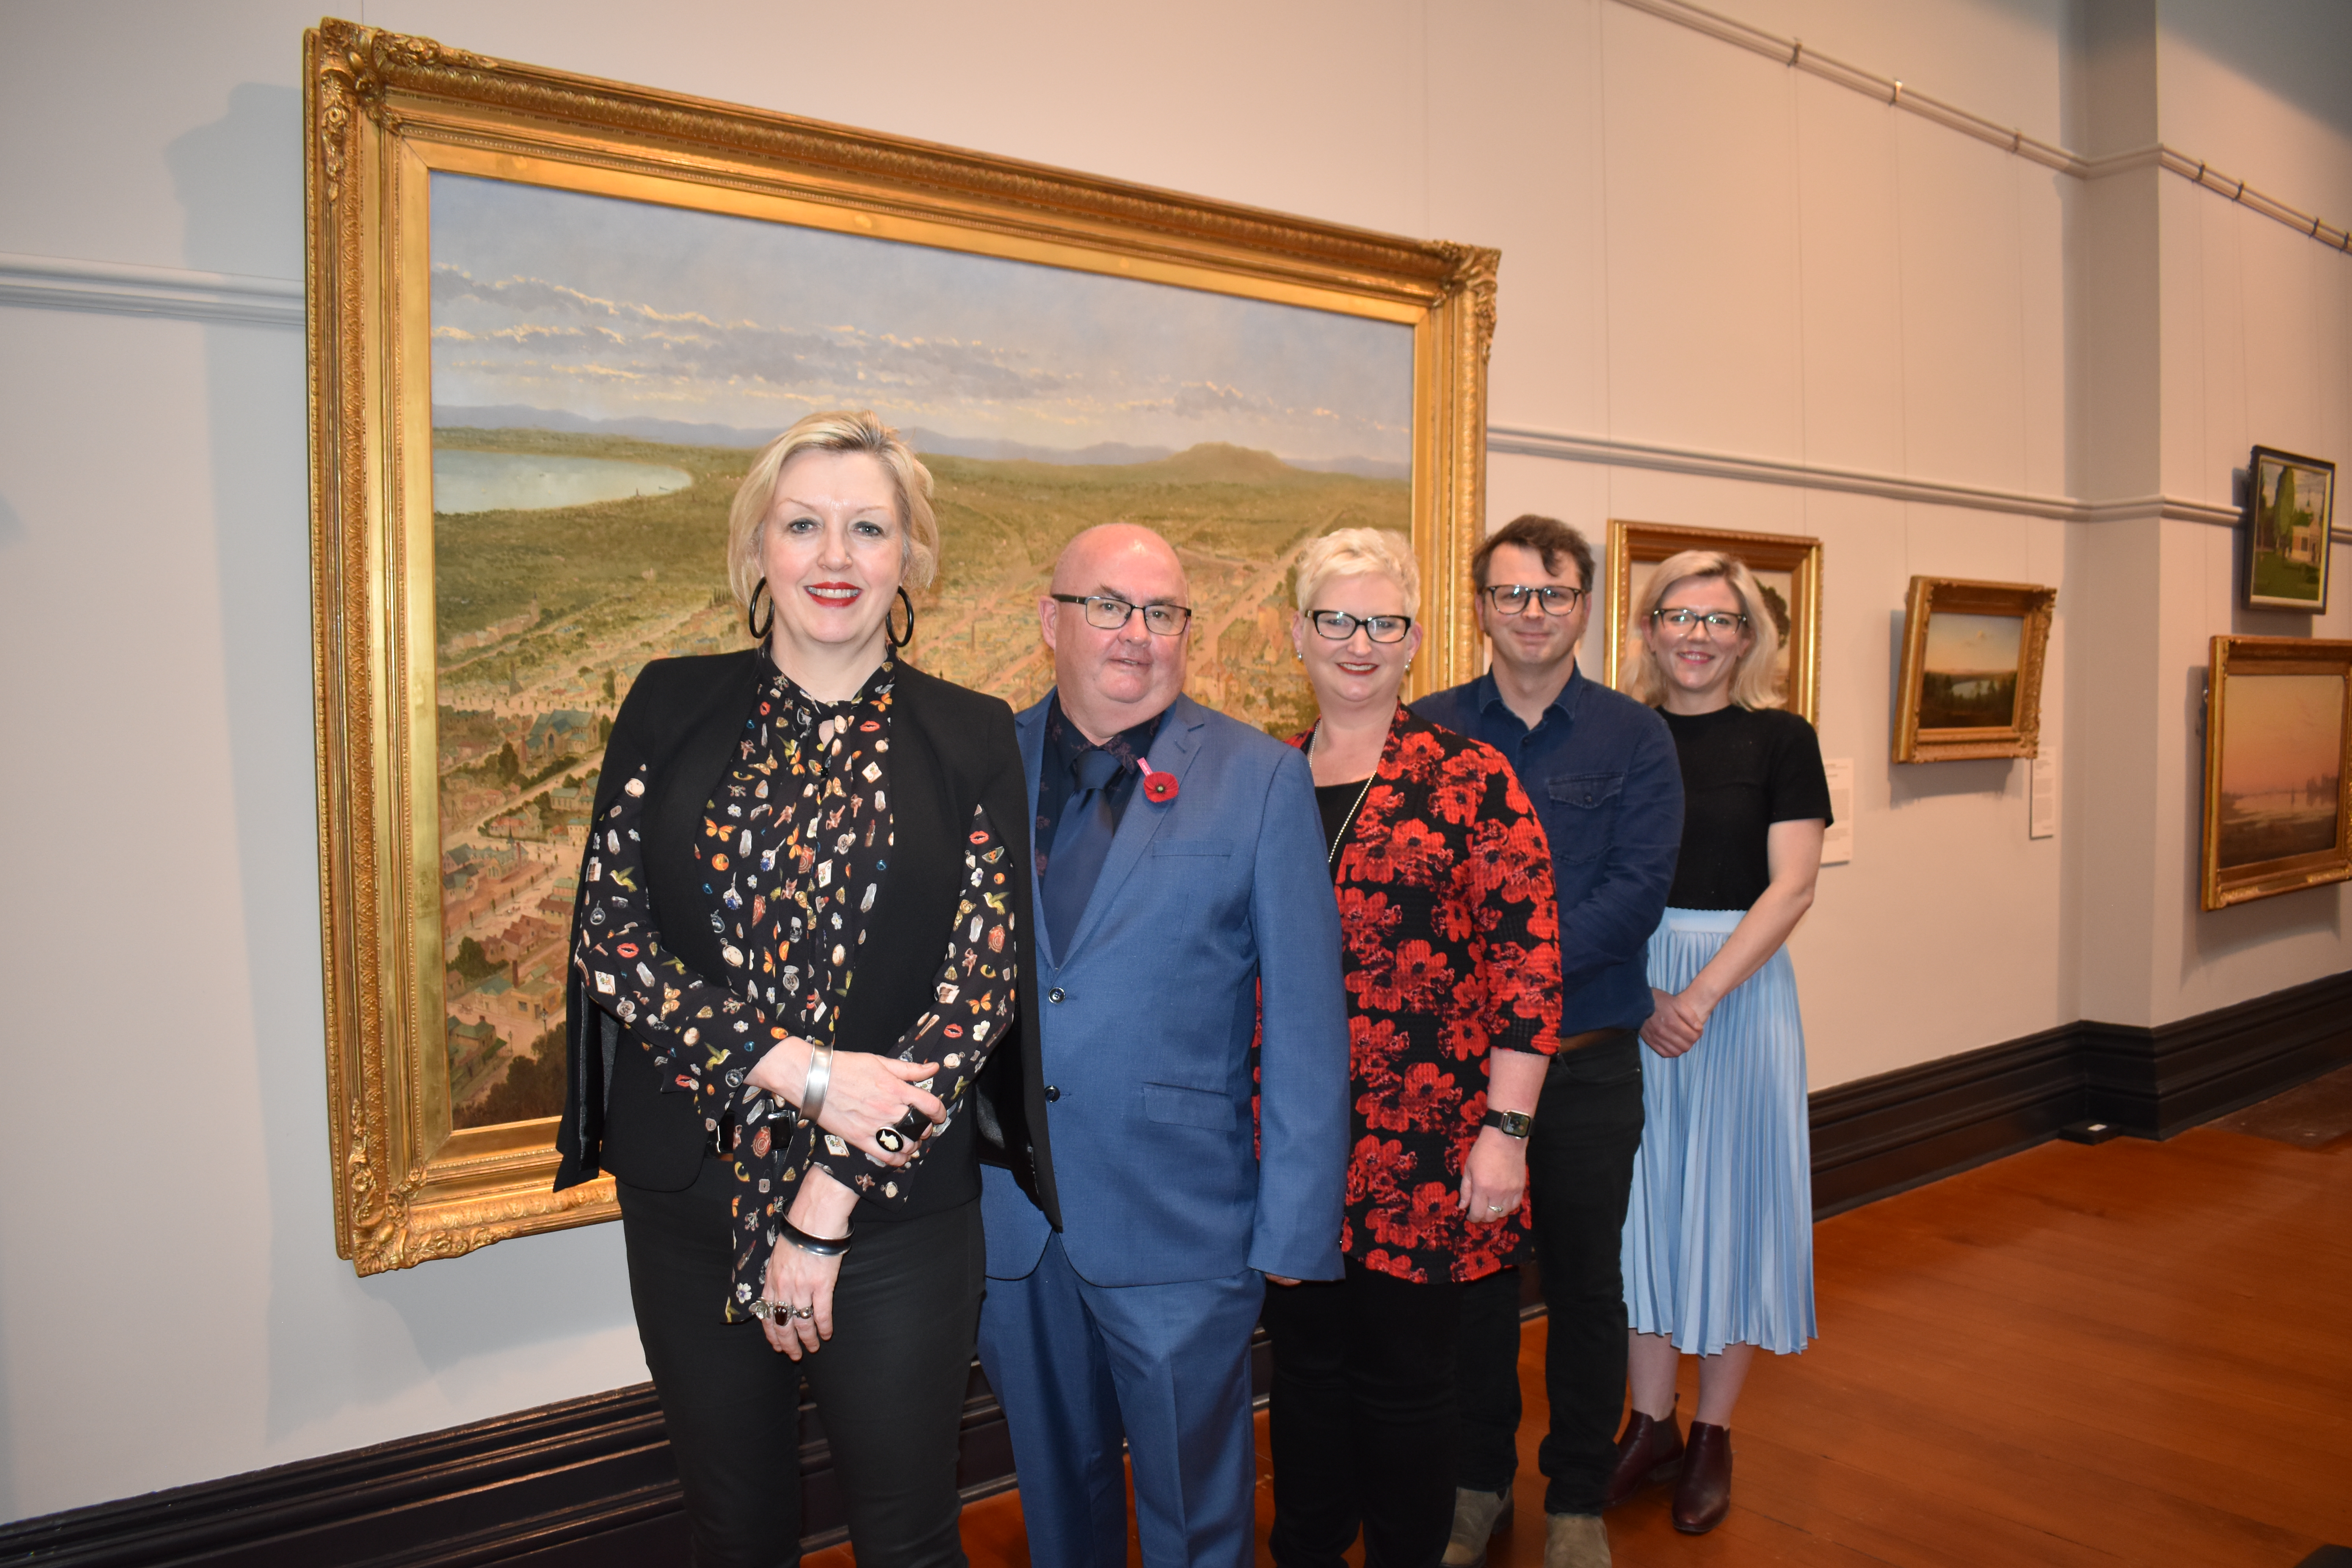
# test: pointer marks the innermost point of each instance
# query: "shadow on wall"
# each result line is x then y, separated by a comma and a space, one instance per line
11, 527
2295, 49
337, 1344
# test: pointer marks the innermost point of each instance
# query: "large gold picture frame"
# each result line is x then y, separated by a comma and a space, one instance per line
385, 116
2278, 768
1786, 566
1970, 682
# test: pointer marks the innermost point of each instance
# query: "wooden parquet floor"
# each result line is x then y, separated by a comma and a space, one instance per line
2130, 1353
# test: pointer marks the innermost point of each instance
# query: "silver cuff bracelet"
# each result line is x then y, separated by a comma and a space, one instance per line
819, 1074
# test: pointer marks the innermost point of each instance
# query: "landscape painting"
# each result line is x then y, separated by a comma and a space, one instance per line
2282, 768
1969, 675
549, 321
2290, 505
602, 369
1971, 678
2278, 739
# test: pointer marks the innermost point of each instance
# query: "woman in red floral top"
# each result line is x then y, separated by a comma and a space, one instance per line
1445, 884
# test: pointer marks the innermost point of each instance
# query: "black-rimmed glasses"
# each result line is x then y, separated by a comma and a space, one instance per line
1106, 613
1339, 625
1718, 623
1511, 598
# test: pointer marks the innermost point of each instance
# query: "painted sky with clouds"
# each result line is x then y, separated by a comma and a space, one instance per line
609, 309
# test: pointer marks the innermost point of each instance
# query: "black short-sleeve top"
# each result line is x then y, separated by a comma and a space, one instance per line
1744, 769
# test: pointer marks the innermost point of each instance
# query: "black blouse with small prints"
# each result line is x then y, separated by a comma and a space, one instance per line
792, 848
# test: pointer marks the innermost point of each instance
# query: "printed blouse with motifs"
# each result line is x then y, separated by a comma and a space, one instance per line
793, 846
1450, 942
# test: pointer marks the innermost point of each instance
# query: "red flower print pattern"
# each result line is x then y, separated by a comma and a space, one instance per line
1450, 952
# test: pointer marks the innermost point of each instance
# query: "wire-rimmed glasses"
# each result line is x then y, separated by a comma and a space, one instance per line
1108, 613
1718, 623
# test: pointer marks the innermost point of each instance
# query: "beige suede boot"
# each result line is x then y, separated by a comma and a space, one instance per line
1575, 1541
1476, 1516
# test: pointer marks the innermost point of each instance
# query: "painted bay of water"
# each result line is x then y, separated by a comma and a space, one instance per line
522, 481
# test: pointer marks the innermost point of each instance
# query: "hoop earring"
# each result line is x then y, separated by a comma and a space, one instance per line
751, 613
896, 638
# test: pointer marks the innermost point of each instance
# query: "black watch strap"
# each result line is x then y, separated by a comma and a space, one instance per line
1510, 1123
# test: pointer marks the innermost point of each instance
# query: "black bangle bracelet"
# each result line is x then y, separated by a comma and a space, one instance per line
822, 1245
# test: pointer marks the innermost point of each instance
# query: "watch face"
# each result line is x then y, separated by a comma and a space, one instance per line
1512, 1123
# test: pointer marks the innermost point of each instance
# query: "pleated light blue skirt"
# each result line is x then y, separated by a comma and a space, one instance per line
1718, 1244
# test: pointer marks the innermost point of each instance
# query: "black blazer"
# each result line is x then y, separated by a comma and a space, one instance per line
950, 749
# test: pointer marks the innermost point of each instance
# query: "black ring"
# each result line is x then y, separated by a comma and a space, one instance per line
751, 610
891, 634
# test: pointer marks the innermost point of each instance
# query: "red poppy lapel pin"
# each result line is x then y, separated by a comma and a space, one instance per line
1159, 788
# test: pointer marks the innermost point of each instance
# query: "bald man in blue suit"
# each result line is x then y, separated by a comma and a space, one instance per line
1167, 919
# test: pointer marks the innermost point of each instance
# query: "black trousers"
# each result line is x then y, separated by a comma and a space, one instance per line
1361, 1418
1580, 1171
889, 1384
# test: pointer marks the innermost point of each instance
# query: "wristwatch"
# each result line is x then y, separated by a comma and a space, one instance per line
1510, 1123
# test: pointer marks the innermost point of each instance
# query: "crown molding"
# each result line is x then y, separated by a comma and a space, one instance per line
54, 283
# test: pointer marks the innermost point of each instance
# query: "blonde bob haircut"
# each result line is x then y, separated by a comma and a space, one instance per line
1360, 552
1751, 683
835, 430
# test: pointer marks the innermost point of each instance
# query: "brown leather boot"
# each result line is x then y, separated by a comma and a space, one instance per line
1703, 1496
1647, 1451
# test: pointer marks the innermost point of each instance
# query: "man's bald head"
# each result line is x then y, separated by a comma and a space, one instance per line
1113, 680
1083, 560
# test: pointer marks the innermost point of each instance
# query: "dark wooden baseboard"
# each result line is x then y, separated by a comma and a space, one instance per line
589, 1483
1881, 1135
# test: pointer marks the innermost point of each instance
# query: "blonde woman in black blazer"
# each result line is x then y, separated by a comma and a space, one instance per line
798, 941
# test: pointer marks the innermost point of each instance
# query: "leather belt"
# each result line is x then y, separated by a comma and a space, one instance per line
1592, 1037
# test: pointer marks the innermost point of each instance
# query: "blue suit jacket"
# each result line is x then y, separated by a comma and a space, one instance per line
1145, 1028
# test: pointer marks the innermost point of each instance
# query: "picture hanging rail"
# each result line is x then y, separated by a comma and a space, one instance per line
550, 320
2278, 736
1970, 683
2289, 503
1787, 568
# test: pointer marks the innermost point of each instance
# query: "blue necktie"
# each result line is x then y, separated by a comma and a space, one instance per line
1081, 843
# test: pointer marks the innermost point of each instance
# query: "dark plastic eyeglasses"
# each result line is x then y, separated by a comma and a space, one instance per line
1106, 613
1339, 625
1511, 598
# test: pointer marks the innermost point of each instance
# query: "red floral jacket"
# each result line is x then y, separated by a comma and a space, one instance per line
1452, 949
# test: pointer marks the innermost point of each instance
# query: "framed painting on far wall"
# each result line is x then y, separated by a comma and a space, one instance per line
1970, 683
550, 320
1787, 568
2278, 734
2290, 502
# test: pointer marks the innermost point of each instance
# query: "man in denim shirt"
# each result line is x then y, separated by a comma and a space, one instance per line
1602, 771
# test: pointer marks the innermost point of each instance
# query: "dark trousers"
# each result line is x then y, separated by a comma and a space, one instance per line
889, 1384
1579, 1170
1363, 1418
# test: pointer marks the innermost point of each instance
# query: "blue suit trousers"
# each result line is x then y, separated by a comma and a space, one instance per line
1080, 1367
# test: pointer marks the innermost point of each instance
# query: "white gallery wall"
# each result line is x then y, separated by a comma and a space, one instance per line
1733, 294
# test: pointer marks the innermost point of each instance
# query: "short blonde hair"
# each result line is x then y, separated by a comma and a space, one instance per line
835, 430
1752, 684
1359, 552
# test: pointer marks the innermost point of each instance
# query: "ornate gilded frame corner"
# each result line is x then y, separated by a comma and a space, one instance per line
1801, 557
2219, 886
1928, 598
382, 113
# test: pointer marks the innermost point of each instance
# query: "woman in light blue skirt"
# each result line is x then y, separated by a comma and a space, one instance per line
1719, 1248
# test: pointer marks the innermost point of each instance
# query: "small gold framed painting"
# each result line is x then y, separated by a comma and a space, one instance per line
1971, 676
2278, 720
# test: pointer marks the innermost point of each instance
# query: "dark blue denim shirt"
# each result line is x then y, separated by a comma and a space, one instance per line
1601, 772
